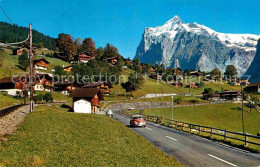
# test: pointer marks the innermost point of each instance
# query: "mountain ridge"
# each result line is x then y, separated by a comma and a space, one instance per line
196, 46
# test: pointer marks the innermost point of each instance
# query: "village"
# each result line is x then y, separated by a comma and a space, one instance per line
87, 97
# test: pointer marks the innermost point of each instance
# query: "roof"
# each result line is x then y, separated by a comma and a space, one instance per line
86, 92
67, 67
110, 58
42, 59
9, 79
96, 84
15, 79
63, 83
255, 84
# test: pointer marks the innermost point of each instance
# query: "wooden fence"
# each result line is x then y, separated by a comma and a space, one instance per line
243, 137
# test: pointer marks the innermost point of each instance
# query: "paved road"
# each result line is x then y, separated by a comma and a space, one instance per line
192, 150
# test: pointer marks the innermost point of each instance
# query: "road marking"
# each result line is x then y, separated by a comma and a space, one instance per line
221, 160
148, 128
171, 138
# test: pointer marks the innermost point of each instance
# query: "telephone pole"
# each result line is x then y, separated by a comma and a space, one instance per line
31, 70
243, 124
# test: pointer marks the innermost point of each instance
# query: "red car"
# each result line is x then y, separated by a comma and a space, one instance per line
137, 120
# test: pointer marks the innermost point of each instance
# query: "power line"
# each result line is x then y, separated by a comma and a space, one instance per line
6, 14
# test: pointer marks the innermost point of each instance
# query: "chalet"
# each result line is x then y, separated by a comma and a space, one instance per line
64, 87
226, 95
83, 57
175, 71
16, 85
41, 64
112, 60
18, 51
103, 86
192, 85
216, 96
13, 86
86, 100
251, 88
43, 82
196, 73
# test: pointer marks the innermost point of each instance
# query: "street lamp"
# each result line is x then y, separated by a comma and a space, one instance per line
172, 107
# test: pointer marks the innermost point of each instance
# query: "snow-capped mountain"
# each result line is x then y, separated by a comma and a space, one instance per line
196, 46
254, 68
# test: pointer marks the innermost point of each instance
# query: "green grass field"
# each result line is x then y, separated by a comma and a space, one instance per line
50, 136
224, 116
6, 100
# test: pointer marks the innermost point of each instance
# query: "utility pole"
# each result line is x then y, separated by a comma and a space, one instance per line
31, 70
242, 96
172, 106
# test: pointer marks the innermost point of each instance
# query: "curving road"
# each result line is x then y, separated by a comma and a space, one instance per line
192, 150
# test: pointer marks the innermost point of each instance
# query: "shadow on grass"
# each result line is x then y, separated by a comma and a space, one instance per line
69, 108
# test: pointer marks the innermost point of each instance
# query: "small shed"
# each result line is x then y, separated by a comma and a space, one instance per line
86, 100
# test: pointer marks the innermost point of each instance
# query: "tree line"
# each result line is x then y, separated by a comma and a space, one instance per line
13, 33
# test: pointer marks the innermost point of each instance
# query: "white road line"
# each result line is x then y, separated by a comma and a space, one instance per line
221, 160
148, 128
171, 138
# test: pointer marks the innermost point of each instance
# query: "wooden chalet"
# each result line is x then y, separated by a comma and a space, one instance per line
192, 85
196, 73
112, 60
41, 64
103, 86
64, 87
43, 82
18, 51
226, 95
14, 86
253, 88
86, 100
83, 57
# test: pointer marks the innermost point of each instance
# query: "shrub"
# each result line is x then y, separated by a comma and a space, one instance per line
178, 101
38, 98
194, 101
48, 97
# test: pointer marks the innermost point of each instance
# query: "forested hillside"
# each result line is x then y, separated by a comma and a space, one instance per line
14, 33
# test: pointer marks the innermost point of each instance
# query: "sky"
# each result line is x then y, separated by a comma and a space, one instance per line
122, 22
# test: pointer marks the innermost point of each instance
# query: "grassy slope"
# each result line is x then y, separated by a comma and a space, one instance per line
53, 137
11, 61
154, 86
6, 100
224, 116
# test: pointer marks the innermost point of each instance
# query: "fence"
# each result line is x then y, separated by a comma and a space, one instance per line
10, 109
243, 137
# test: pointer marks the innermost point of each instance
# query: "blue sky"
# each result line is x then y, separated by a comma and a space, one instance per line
122, 22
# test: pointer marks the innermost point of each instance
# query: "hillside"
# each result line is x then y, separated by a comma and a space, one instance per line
14, 33
154, 86
10, 64
51, 136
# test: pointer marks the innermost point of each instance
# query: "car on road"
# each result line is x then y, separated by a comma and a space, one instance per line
137, 121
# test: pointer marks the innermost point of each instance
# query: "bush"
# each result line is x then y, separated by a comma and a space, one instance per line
193, 101
48, 97
38, 98
178, 101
